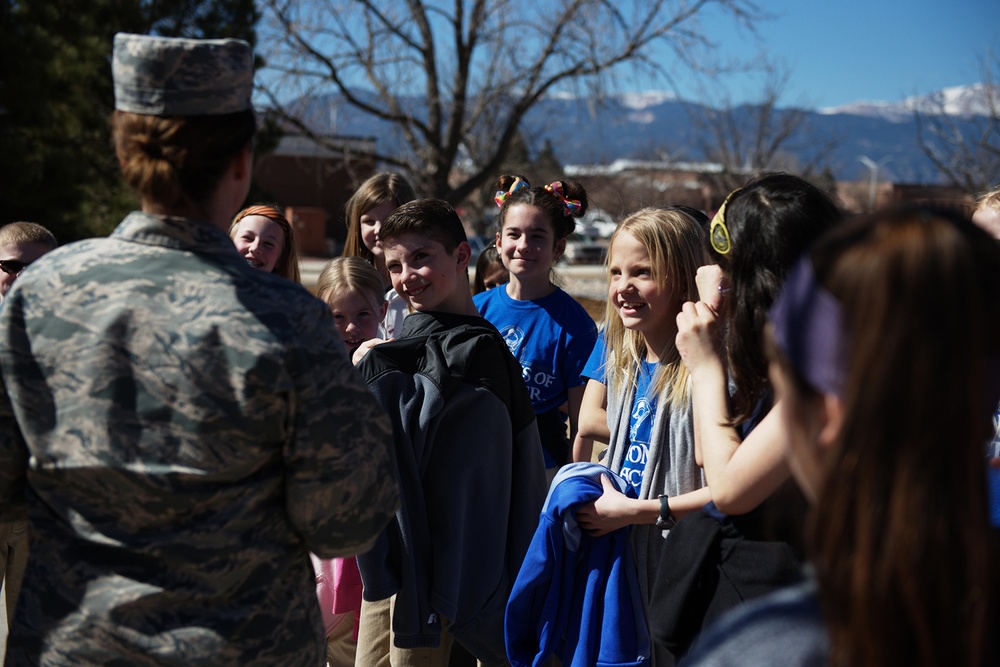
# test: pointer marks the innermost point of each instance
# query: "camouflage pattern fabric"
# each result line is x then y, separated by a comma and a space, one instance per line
169, 76
183, 429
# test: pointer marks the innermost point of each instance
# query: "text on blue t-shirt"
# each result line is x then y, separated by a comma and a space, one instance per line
640, 427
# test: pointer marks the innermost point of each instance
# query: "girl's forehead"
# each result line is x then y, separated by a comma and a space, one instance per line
346, 300
527, 216
625, 242
380, 210
261, 225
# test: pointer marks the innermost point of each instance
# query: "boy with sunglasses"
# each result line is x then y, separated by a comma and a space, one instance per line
21, 243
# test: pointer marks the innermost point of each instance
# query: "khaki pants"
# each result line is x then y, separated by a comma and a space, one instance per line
13, 560
340, 645
375, 646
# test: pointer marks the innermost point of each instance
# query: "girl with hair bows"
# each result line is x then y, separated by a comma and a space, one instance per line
549, 333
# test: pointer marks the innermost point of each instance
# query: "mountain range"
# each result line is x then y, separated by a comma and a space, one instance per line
656, 126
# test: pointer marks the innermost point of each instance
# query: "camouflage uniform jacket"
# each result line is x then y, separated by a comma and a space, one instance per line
183, 429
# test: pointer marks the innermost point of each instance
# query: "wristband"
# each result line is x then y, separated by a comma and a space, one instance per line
666, 519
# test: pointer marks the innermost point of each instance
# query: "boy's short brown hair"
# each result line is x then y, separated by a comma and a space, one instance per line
433, 218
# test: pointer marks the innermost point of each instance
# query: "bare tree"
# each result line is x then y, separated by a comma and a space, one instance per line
964, 144
453, 79
757, 135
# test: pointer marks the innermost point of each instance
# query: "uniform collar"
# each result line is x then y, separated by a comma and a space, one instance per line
175, 233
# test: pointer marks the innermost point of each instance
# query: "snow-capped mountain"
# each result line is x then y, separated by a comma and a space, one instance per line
644, 100
648, 125
964, 101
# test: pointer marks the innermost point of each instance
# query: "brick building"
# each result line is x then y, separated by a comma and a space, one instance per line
315, 182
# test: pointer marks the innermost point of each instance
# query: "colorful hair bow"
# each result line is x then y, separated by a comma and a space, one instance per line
518, 184
570, 206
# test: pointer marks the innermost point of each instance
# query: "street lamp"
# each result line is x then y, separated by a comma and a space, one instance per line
873, 180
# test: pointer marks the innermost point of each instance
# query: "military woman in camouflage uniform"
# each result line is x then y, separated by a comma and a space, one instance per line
181, 428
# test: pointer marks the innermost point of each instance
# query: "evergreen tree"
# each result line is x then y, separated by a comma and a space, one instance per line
56, 95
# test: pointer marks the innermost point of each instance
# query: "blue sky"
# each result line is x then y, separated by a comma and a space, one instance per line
849, 50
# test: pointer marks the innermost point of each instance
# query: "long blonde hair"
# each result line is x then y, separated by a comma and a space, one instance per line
676, 247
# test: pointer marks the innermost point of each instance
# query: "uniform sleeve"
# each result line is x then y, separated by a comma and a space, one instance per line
340, 480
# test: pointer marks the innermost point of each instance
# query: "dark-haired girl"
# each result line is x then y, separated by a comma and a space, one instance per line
756, 236
549, 333
883, 354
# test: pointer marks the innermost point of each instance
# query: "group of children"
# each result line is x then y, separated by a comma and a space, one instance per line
180, 429
693, 423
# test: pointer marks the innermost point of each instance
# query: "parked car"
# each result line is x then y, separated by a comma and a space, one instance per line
582, 249
478, 244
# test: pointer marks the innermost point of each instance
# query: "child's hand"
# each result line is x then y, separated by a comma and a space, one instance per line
362, 350
613, 510
712, 285
697, 338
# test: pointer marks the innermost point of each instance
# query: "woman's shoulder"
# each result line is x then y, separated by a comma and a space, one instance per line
782, 628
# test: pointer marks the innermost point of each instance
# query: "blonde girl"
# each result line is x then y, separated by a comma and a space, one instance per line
264, 238
354, 291
652, 261
365, 211
549, 333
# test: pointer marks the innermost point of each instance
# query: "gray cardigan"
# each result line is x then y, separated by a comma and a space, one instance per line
670, 470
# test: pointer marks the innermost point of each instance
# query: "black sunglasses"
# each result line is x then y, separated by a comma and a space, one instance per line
12, 266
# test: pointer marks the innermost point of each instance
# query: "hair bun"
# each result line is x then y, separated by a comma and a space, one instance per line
507, 180
573, 196
150, 147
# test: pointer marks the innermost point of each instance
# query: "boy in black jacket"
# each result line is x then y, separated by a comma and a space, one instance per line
467, 450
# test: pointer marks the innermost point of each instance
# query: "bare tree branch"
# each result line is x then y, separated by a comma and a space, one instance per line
757, 136
454, 79
965, 147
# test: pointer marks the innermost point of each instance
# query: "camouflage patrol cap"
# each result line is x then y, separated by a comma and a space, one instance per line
166, 76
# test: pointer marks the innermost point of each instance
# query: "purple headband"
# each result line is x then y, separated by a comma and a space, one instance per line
808, 330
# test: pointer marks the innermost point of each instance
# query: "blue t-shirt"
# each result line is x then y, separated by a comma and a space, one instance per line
994, 447
640, 427
594, 368
550, 337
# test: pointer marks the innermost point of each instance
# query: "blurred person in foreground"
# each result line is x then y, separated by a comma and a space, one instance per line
181, 429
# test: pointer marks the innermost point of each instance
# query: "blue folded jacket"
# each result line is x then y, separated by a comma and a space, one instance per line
577, 596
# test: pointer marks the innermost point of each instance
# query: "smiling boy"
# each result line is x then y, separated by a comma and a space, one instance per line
465, 435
